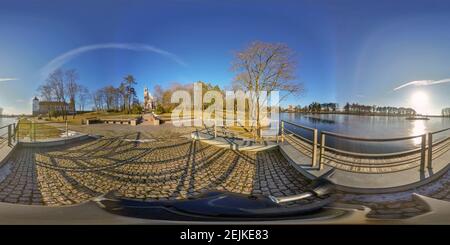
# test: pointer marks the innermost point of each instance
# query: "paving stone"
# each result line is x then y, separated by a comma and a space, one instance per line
165, 169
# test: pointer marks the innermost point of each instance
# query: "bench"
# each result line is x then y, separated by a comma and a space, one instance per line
132, 122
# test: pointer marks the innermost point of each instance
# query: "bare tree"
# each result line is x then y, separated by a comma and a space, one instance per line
72, 87
158, 93
47, 94
123, 95
265, 67
83, 97
56, 81
130, 81
97, 98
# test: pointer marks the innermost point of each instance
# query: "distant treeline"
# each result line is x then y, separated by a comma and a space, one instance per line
446, 112
120, 99
352, 108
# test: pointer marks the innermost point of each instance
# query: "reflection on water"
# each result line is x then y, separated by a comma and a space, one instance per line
418, 128
368, 127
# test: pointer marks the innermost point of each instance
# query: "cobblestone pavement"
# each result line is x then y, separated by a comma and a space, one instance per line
162, 169
163, 131
167, 166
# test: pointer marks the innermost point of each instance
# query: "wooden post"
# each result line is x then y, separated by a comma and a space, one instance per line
322, 150
215, 130
9, 134
430, 151
282, 131
314, 149
422, 152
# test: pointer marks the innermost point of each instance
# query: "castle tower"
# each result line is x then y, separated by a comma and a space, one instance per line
35, 106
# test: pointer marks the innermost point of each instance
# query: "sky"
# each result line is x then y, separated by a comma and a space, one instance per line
347, 50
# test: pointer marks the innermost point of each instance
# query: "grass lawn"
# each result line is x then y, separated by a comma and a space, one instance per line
80, 118
27, 129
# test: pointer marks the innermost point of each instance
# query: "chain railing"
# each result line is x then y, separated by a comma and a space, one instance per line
421, 156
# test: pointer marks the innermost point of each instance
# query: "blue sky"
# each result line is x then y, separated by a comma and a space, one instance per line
356, 51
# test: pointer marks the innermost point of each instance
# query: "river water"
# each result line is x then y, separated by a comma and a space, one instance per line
368, 127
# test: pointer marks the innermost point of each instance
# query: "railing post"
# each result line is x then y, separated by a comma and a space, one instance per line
9, 134
31, 131
314, 149
423, 152
282, 131
215, 130
34, 131
322, 150
67, 129
15, 132
430, 151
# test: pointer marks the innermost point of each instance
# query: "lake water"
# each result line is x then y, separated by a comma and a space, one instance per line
368, 127
5, 121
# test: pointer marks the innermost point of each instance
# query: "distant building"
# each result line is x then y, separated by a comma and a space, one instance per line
291, 108
149, 102
44, 107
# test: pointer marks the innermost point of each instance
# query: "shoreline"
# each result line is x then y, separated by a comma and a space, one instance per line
363, 114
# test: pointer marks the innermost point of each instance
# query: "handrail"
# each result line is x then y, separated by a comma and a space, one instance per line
373, 155
10, 135
371, 139
440, 131
423, 153
300, 126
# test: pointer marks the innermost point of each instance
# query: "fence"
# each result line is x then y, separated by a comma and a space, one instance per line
239, 132
422, 156
8, 134
32, 131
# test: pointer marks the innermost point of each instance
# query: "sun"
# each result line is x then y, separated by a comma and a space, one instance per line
419, 102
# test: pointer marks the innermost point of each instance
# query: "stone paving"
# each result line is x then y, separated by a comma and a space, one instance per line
170, 169
156, 163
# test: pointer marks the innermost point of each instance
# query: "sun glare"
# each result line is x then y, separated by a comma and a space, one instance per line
419, 102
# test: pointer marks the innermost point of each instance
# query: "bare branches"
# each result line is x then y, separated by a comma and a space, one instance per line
265, 67
60, 86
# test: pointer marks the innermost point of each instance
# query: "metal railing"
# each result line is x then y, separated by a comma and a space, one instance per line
8, 134
422, 156
313, 143
32, 131
239, 133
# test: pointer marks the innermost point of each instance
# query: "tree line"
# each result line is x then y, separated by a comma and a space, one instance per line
354, 108
63, 86
120, 99
163, 96
446, 112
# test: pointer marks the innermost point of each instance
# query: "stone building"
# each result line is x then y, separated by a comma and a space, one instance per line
149, 101
44, 107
